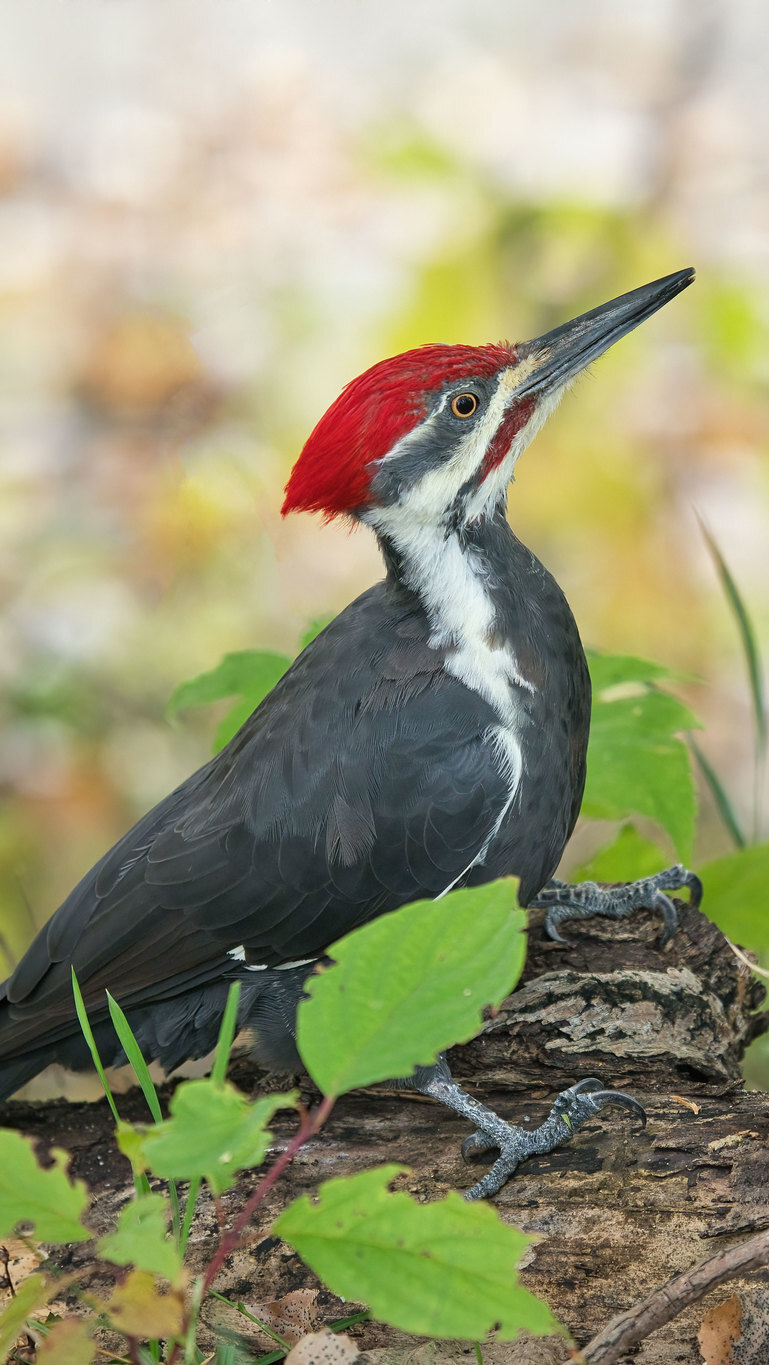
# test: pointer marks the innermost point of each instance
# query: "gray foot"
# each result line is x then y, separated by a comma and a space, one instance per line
572, 1108
564, 902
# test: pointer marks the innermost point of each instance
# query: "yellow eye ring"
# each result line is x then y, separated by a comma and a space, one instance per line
464, 405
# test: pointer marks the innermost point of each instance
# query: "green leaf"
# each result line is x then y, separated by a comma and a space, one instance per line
250, 671
410, 984
735, 895
627, 859
138, 1308
31, 1295
67, 1343
142, 1240
249, 674
47, 1198
636, 764
612, 670
445, 1269
213, 1133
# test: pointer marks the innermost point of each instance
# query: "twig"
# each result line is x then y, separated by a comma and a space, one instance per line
628, 1329
743, 957
309, 1127
5, 1262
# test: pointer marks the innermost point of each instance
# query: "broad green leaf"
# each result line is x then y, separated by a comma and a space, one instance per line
410, 984
130, 1140
32, 1294
628, 858
446, 1269
735, 895
213, 1133
47, 1198
67, 1343
142, 1238
636, 764
249, 674
138, 1308
612, 670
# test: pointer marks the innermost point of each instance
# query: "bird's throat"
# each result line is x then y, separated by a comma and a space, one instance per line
461, 579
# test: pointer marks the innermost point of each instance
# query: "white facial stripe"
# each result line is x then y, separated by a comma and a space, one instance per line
472, 449
436, 491
438, 488
495, 483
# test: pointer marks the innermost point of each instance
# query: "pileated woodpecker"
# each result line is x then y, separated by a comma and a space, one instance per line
433, 735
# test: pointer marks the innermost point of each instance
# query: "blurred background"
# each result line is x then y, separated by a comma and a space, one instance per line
213, 215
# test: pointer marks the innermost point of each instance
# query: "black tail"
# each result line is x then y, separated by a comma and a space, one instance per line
16, 1071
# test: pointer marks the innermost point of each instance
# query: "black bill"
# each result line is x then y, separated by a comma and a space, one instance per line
569, 348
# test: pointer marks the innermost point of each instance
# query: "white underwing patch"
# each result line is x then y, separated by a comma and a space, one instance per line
239, 955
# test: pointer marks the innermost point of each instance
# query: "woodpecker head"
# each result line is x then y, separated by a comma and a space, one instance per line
435, 433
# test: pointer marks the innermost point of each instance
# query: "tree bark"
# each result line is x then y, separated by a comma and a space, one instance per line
617, 1212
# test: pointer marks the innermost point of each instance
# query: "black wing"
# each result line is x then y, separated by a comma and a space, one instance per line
358, 785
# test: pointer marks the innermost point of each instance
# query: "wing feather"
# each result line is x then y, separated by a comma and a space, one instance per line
348, 792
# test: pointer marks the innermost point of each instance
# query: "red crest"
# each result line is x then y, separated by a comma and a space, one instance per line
373, 412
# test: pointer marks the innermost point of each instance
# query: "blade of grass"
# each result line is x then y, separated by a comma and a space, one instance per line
141, 1183
142, 1073
340, 1325
746, 632
226, 1034
134, 1054
189, 1212
87, 1032
722, 802
753, 664
246, 1313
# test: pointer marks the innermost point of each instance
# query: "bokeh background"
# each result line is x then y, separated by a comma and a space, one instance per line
213, 214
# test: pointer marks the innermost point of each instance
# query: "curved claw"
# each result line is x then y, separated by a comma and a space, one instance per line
695, 890
550, 928
587, 1084
618, 1097
477, 1144
660, 901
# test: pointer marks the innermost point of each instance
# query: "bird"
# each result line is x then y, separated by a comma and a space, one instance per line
432, 736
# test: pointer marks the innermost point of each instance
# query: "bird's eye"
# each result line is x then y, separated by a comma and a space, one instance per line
464, 405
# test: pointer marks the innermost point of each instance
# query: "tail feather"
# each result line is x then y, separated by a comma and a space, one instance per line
15, 1072
170, 1031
